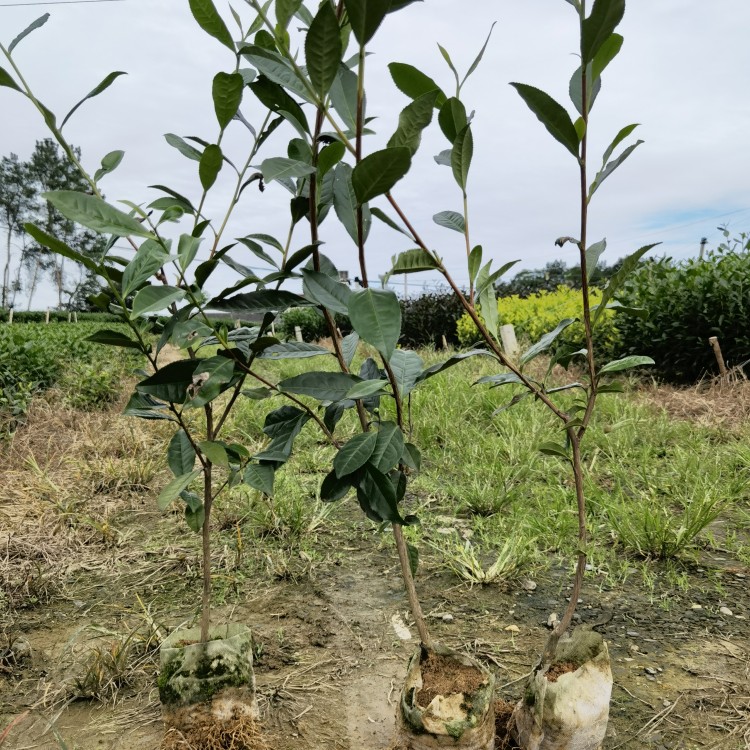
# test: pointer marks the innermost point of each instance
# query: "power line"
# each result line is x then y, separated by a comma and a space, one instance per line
60, 2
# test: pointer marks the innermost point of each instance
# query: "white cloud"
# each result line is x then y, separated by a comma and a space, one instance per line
682, 74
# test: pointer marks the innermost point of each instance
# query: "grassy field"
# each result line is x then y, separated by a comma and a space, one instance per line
92, 576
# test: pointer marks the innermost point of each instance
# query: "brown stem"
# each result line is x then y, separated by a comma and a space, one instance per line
358, 159
567, 618
207, 503
411, 591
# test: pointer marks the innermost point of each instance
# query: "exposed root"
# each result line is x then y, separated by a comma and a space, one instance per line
241, 733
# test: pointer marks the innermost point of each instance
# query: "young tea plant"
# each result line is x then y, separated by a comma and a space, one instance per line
197, 392
599, 44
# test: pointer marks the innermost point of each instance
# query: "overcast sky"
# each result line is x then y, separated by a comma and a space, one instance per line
683, 73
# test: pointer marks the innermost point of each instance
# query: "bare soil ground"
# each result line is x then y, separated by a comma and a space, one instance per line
91, 575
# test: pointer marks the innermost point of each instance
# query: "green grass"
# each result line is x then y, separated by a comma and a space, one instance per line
656, 488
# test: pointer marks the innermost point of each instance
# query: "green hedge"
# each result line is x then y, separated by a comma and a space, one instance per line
688, 302
56, 316
429, 317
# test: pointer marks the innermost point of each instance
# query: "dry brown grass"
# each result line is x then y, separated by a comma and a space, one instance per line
714, 403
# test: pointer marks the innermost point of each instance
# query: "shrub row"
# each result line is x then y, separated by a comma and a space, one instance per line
35, 357
688, 302
540, 313
424, 321
56, 316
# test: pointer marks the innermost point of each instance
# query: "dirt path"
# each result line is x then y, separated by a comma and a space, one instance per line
90, 571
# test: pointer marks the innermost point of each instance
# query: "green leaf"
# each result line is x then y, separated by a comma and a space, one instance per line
187, 249
411, 457
551, 114
365, 16
6, 79
596, 29
619, 138
611, 166
215, 452
31, 27
414, 118
367, 388
554, 449
504, 378
113, 338
433, 370
475, 262
105, 84
294, 350
59, 247
109, 163
392, 224
143, 406
285, 10
276, 69
413, 554
349, 346
389, 447
332, 488
450, 220
208, 18
210, 165
323, 49
488, 302
280, 168
412, 261
354, 454
172, 491
170, 383
452, 118
149, 258
282, 425
344, 96
95, 214
406, 367
618, 279
479, 57
575, 89
195, 514
180, 454
323, 386
461, 155
273, 96
345, 202
593, 253
227, 95
262, 301
329, 157
327, 292
607, 52
256, 249
151, 299
183, 146
377, 496
375, 315
260, 477
626, 363
613, 387
545, 341
210, 378
413, 82
378, 172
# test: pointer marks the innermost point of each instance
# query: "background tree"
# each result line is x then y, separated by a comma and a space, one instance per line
21, 188
51, 170
556, 273
17, 199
